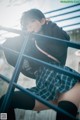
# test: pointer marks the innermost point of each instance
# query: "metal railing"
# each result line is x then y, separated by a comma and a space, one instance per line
13, 82
66, 17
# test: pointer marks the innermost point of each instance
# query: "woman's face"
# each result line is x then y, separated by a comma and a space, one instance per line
34, 26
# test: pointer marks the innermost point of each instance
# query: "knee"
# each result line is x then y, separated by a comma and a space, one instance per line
68, 107
40, 106
72, 95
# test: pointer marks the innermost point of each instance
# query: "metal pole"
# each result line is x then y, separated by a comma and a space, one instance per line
7, 98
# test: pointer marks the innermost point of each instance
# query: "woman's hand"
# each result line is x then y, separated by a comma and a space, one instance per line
47, 20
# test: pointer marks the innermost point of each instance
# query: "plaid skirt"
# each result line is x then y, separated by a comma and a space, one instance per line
50, 83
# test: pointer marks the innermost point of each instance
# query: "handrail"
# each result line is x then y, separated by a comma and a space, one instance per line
14, 78
64, 13
12, 83
70, 44
62, 8
26, 91
77, 76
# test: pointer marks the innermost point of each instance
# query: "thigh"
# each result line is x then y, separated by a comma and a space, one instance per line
72, 95
39, 106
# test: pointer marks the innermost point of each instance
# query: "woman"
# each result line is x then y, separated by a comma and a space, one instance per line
51, 85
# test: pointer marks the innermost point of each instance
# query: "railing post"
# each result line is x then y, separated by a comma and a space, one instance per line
8, 96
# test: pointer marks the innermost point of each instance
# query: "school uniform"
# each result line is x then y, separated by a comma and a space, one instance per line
49, 82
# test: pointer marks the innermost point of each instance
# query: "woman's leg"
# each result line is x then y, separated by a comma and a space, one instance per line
10, 112
23, 101
39, 106
19, 100
69, 101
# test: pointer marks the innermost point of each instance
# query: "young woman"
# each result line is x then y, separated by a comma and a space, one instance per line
55, 87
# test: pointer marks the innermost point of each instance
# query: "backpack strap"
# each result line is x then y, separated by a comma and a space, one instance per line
45, 53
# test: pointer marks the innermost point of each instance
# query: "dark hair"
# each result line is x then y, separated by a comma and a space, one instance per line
30, 15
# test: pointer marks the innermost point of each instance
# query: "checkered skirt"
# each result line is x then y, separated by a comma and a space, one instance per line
50, 83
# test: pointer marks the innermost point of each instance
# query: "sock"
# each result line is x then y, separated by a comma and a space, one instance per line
19, 100
68, 107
